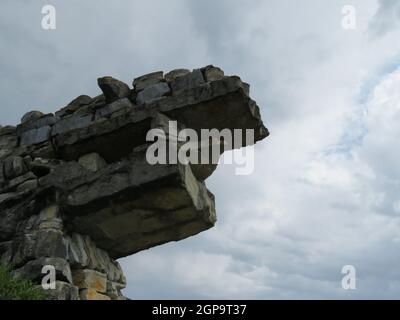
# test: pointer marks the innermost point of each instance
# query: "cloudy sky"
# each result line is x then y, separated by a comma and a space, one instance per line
325, 191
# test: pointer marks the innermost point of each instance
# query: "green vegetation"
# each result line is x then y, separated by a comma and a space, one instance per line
16, 288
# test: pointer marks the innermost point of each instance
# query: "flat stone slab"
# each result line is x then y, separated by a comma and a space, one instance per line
112, 138
203, 107
131, 205
220, 104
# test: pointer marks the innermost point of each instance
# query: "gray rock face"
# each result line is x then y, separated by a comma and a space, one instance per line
172, 75
2, 177
113, 107
45, 120
77, 190
111, 138
87, 279
8, 145
113, 89
188, 81
74, 105
153, 92
7, 130
33, 269
80, 101
212, 73
92, 162
77, 251
64, 291
58, 249
14, 167
16, 182
71, 123
32, 115
27, 185
147, 80
181, 201
35, 136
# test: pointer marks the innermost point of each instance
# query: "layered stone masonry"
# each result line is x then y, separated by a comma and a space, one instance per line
76, 190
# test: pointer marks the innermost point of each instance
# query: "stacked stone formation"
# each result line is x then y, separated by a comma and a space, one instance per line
76, 190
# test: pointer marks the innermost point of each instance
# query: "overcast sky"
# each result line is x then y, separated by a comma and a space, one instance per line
325, 191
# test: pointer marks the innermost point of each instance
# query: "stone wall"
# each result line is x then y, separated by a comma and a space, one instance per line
76, 189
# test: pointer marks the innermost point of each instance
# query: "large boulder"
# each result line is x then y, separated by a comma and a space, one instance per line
113, 89
147, 80
31, 115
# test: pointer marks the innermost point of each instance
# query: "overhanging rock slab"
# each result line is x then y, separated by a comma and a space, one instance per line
131, 205
77, 188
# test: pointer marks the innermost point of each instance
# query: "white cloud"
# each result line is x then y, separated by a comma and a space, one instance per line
386, 19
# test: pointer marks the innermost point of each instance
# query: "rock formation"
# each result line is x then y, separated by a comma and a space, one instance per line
76, 190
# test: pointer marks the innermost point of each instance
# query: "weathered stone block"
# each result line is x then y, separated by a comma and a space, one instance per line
49, 218
212, 73
63, 291
2, 176
80, 106
91, 294
13, 206
80, 100
28, 185
147, 80
207, 106
90, 279
51, 243
113, 107
124, 229
114, 289
45, 120
113, 89
7, 130
95, 258
112, 138
172, 75
8, 144
6, 253
35, 136
97, 102
31, 115
115, 273
71, 123
20, 180
188, 81
14, 167
49, 213
28, 225
43, 150
77, 252
33, 269
92, 162
152, 92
